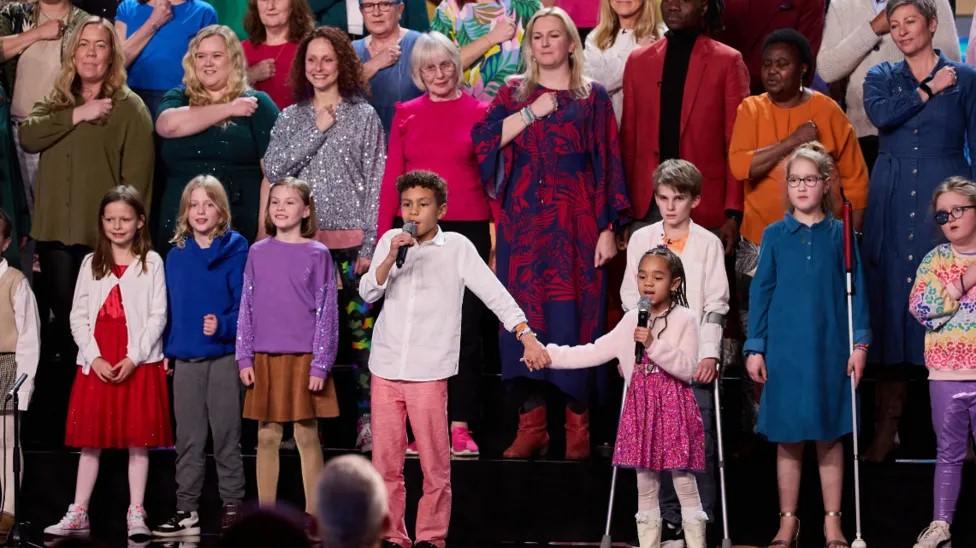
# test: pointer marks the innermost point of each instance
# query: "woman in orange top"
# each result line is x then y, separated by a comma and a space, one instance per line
770, 126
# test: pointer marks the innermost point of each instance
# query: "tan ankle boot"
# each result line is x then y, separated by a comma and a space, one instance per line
649, 529
695, 525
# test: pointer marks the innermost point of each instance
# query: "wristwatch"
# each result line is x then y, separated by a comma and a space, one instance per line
525, 331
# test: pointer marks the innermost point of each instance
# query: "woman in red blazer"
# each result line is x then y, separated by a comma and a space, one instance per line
680, 100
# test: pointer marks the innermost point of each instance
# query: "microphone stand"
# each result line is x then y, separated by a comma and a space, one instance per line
19, 533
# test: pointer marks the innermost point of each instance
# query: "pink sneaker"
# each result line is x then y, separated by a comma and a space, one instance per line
462, 446
75, 522
412, 450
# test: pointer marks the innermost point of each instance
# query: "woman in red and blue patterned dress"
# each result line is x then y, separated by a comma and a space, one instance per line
550, 158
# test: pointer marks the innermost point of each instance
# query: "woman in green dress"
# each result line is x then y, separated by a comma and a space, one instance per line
214, 125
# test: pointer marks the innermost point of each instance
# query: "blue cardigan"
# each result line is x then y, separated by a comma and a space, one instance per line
200, 282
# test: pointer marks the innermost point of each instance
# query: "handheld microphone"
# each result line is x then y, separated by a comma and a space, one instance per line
410, 228
643, 314
20, 382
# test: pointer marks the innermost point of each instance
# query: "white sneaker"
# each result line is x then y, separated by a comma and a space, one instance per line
936, 535
135, 520
74, 523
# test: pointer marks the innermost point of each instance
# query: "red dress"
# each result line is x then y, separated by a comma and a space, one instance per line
134, 413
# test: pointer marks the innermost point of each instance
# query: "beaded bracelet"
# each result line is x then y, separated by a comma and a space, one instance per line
528, 116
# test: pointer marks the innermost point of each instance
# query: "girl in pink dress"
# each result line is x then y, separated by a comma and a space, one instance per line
661, 426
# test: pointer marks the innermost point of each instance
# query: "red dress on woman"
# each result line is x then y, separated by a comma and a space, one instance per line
134, 413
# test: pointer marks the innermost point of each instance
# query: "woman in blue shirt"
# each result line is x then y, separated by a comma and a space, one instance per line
385, 54
925, 111
155, 35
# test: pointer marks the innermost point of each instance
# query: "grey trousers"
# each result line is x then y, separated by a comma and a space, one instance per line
207, 393
707, 485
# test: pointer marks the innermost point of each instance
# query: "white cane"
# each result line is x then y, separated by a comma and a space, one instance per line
849, 270
726, 541
606, 542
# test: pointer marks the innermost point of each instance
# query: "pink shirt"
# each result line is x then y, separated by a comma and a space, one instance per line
585, 13
277, 86
436, 136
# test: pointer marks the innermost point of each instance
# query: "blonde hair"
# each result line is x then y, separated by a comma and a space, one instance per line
648, 23
215, 191
815, 153
428, 46
236, 82
957, 184
67, 86
528, 80
309, 224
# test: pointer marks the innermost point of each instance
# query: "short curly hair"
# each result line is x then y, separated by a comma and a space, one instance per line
423, 179
800, 44
351, 81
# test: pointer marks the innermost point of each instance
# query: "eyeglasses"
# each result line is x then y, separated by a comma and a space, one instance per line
446, 67
810, 181
382, 7
942, 216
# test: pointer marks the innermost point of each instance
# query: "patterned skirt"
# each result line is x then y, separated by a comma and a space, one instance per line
661, 426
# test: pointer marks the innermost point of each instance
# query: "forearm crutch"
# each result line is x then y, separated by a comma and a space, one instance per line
605, 542
849, 271
726, 541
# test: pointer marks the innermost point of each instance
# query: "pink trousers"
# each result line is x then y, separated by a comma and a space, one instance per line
425, 403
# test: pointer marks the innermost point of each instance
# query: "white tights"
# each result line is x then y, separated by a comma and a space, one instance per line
685, 486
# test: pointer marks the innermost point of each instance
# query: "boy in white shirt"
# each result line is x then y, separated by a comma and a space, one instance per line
415, 348
677, 191
20, 349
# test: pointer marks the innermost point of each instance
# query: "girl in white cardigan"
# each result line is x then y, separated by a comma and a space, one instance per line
624, 26
660, 426
119, 398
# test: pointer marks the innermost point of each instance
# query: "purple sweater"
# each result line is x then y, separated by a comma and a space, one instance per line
288, 304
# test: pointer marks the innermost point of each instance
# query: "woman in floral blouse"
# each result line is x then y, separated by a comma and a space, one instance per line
489, 33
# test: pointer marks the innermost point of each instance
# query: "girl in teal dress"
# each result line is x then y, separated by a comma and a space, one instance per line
797, 343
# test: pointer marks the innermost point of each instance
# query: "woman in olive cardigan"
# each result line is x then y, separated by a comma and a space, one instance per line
92, 133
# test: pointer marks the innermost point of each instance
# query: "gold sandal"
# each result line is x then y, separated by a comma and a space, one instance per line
792, 543
836, 543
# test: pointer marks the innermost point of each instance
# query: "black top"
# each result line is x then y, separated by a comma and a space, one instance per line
680, 44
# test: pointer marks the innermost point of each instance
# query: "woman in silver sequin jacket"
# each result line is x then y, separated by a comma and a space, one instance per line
333, 139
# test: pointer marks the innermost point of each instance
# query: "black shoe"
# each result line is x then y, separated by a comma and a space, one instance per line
228, 517
671, 531
389, 544
182, 524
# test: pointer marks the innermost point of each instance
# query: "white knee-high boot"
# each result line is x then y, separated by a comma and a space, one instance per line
694, 522
649, 528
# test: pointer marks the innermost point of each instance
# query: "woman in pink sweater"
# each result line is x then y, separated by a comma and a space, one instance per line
433, 132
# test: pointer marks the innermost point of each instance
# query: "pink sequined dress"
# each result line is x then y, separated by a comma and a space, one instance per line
661, 426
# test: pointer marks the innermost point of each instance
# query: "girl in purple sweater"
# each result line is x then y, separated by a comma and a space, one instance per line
287, 337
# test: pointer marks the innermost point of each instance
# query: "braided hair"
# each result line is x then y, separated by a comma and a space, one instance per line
678, 295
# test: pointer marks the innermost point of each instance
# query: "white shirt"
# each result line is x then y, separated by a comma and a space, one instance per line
144, 301
28, 325
354, 18
418, 333
706, 284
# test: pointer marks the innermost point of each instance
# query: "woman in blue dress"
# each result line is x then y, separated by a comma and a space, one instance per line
798, 341
925, 111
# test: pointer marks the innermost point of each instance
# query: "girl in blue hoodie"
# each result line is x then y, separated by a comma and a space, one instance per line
204, 274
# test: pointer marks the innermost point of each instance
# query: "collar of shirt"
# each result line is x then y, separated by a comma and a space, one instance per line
906, 71
439, 239
792, 225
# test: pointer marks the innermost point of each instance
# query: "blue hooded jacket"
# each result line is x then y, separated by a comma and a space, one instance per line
200, 282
